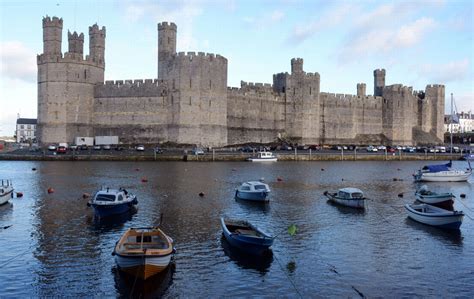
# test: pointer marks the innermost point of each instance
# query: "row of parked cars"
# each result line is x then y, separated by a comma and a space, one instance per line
60, 149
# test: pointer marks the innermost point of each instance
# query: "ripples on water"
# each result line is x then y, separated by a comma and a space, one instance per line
55, 247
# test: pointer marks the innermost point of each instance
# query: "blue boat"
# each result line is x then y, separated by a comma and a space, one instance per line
253, 191
108, 202
245, 236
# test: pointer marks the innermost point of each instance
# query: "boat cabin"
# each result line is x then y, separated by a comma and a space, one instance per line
265, 155
254, 186
111, 195
350, 193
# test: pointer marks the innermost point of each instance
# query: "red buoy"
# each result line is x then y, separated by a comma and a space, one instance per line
86, 195
50, 190
144, 180
279, 179
19, 194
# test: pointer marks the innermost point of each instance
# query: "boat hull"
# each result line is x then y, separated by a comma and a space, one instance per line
353, 203
443, 176
255, 246
262, 159
109, 210
260, 196
6, 195
446, 219
141, 266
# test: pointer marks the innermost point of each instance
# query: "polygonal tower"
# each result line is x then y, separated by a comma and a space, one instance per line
76, 42
52, 35
166, 46
379, 81
97, 44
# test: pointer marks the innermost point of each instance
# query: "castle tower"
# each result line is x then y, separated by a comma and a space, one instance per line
97, 44
76, 42
166, 46
379, 81
361, 89
297, 65
52, 35
435, 97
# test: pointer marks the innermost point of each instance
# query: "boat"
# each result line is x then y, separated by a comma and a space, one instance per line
442, 200
263, 157
107, 202
442, 173
143, 252
253, 191
435, 216
350, 197
245, 236
468, 157
6, 191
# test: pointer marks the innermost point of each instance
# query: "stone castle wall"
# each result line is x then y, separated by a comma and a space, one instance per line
190, 102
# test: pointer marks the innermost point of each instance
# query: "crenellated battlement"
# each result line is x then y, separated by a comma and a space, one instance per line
52, 22
350, 97
67, 58
131, 88
94, 29
75, 35
190, 56
167, 26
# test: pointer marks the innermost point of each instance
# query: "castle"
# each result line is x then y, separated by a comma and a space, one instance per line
190, 102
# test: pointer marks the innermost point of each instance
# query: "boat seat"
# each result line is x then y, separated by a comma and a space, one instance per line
246, 232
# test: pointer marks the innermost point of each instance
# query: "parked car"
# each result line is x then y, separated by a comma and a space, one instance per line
118, 148
96, 147
371, 148
158, 150
391, 149
106, 147
247, 149
51, 147
140, 148
73, 147
197, 151
84, 147
61, 150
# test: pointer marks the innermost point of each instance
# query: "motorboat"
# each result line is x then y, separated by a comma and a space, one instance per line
143, 252
253, 191
442, 173
350, 197
435, 216
6, 191
107, 202
442, 200
263, 157
245, 236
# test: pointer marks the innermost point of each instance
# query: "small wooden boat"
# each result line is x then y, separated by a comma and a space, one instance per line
435, 216
442, 173
143, 252
107, 202
6, 191
253, 191
350, 197
263, 157
245, 236
443, 200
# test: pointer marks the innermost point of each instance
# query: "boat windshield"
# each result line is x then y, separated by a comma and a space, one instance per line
357, 195
105, 197
260, 187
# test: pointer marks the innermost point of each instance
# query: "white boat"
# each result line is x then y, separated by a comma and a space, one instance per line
263, 157
443, 200
143, 252
253, 191
108, 202
442, 173
434, 216
6, 191
350, 197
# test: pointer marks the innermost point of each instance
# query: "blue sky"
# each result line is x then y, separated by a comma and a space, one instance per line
417, 42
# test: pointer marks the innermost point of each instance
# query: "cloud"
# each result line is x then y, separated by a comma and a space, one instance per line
330, 18
383, 40
444, 73
266, 20
464, 102
17, 61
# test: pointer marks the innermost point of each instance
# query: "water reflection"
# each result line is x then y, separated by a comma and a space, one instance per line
102, 224
452, 236
247, 261
252, 206
128, 286
5, 209
346, 210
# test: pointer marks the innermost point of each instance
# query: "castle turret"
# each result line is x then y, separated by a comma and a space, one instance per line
76, 42
297, 65
435, 98
361, 89
166, 46
379, 81
97, 44
52, 35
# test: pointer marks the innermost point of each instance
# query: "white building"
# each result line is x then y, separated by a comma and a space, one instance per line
465, 123
26, 130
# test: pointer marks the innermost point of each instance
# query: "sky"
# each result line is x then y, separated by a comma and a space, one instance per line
418, 42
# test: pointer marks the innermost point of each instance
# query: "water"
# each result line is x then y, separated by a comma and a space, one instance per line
55, 247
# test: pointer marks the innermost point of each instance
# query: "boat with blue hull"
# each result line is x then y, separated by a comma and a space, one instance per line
246, 237
108, 202
435, 216
253, 191
442, 173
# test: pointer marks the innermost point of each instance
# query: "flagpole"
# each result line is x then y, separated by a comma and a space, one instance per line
451, 125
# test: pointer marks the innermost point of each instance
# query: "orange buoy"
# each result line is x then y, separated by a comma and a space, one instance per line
201, 194
86, 195
144, 180
50, 190
19, 194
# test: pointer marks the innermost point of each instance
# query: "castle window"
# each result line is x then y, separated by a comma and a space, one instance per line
85, 74
169, 40
161, 41
190, 83
173, 84
172, 99
190, 101
210, 84
310, 91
